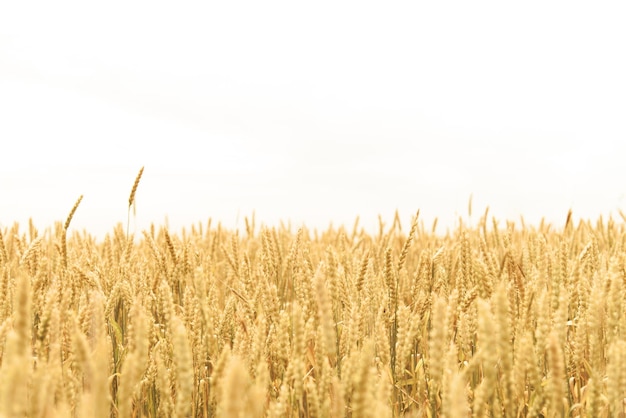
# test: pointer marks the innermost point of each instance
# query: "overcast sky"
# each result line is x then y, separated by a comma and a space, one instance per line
310, 111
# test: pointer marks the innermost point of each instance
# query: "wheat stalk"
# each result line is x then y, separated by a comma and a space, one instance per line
131, 198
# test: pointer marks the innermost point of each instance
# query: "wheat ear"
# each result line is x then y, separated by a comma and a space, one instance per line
131, 198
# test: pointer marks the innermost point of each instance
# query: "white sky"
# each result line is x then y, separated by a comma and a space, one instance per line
314, 112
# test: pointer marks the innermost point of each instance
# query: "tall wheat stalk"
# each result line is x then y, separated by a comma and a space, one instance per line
131, 199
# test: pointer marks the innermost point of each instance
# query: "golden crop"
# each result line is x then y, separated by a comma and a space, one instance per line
488, 321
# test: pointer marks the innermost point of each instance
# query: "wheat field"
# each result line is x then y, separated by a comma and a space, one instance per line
494, 320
